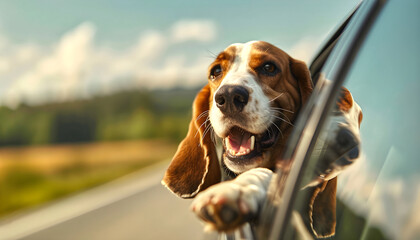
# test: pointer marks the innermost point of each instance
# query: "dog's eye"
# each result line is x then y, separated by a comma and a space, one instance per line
215, 72
269, 69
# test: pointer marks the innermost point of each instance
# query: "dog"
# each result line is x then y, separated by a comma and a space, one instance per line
241, 122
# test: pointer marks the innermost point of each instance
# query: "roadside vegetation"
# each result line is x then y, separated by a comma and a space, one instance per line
51, 151
122, 116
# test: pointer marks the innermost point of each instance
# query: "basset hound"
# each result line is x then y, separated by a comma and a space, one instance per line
241, 121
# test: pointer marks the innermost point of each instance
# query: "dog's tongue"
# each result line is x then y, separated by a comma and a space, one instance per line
239, 142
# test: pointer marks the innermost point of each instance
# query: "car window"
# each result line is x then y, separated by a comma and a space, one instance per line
378, 196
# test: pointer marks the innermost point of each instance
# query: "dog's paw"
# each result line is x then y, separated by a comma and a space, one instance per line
224, 207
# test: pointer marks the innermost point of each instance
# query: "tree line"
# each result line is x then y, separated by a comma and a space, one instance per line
137, 114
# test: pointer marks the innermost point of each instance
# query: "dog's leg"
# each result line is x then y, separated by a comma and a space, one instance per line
228, 205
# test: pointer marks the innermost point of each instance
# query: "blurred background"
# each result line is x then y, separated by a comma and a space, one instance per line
93, 90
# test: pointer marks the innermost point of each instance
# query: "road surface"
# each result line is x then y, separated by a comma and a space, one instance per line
134, 207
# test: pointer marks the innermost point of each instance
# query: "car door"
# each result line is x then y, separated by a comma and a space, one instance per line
376, 57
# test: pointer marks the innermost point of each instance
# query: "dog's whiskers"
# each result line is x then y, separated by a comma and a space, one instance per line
284, 117
282, 109
276, 97
202, 115
281, 133
208, 129
205, 124
212, 54
284, 120
279, 112
269, 130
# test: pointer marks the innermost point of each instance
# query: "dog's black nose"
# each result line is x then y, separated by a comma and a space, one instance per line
231, 99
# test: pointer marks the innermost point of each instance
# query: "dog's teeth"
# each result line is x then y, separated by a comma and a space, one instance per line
248, 151
252, 142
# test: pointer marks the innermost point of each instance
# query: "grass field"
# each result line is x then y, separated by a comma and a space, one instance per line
30, 176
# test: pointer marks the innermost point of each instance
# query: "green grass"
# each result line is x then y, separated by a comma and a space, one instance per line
22, 187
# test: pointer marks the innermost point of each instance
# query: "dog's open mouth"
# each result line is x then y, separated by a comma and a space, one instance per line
243, 145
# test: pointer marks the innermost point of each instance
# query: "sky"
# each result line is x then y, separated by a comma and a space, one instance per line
61, 50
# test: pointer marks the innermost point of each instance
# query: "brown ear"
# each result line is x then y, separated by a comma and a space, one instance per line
194, 166
345, 103
345, 100
301, 73
322, 206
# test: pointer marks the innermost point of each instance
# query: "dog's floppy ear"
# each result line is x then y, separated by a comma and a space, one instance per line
302, 75
194, 166
322, 215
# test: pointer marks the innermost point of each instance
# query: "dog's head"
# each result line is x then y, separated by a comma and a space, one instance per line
257, 89
253, 95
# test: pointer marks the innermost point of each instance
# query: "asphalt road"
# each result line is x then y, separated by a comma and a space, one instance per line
135, 207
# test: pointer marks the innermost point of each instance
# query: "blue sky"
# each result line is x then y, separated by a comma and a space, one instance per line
59, 50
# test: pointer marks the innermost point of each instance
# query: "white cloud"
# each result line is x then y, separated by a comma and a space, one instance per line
388, 202
411, 230
150, 46
193, 30
74, 49
57, 74
4, 65
26, 53
77, 67
356, 185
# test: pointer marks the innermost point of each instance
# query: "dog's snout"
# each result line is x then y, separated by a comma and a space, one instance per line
231, 99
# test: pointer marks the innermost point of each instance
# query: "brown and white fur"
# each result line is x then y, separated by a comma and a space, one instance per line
253, 96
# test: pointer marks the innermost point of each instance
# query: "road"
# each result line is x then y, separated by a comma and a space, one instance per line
134, 207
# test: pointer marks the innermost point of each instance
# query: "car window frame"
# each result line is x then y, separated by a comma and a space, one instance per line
335, 68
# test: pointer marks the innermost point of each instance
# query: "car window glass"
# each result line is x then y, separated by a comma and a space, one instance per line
378, 196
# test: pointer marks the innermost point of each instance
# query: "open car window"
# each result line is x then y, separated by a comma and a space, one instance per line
283, 212
379, 197
378, 190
